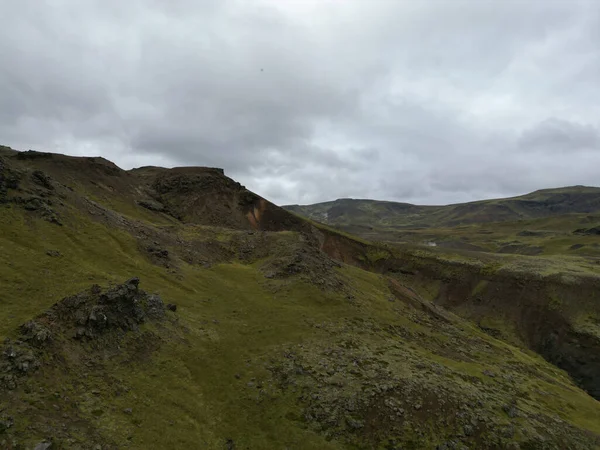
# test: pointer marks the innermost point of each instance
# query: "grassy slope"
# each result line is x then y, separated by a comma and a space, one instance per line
254, 320
187, 394
188, 384
373, 213
547, 236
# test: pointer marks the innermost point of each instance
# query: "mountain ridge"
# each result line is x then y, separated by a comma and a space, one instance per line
541, 222
576, 187
544, 197
280, 331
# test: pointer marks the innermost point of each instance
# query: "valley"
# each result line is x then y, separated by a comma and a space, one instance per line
173, 308
547, 222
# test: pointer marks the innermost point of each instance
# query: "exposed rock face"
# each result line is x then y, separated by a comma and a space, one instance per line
39, 204
594, 231
42, 179
31, 197
88, 315
122, 307
547, 323
308, 262
577, 353
204, 195
152, 205
32, 154
8, 180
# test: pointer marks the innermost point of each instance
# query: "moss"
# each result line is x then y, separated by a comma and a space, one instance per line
214, 376
490, 270
555, 303
480, 287
375, 255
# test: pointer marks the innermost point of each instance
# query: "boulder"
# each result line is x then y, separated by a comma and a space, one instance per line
41, 179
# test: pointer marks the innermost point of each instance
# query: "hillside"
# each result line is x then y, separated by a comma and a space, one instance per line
373, 213
551, 221
173, 308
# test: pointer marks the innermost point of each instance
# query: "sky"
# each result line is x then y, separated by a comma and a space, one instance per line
302, 101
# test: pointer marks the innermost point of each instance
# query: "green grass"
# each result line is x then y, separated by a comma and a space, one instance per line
233, 324
91, 253
189, 384
195, 386
476, 226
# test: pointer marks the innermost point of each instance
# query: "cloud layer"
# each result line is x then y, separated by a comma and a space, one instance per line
312, 100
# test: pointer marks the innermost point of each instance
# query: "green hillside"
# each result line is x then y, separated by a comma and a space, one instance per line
373, 213
551, 221
282, 333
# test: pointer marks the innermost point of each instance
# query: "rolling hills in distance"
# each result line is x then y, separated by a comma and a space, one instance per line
549, 221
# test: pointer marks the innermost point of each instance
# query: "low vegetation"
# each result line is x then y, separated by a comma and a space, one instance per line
279, 333
548, 222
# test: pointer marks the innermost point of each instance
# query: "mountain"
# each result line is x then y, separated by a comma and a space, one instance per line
542, 203
540, 222
173, 308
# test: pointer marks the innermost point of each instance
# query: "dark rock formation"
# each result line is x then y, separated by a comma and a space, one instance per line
40, 178
576, 353
122, 307
32, 154
152, 205
594, 231
89, 315
40, 205
8, 180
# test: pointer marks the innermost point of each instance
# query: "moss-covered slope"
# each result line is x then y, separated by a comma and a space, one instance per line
272, 344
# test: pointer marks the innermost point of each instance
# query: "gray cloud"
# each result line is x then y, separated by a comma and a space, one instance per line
310, 100
560, 136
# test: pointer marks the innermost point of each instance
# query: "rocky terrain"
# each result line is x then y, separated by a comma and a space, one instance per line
68, 347
259, 329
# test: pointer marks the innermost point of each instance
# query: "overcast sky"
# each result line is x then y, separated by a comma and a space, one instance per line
312, 100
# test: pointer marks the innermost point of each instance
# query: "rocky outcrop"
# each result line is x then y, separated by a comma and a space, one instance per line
304, 261
89, 315
576, 353
33, 155
594, 231
40, 178
152, 205
31, 196
9, 179
123, 307
43, 206
205, 196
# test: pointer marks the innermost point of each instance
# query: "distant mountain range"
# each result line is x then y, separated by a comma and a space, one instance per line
356, 213
562, 221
